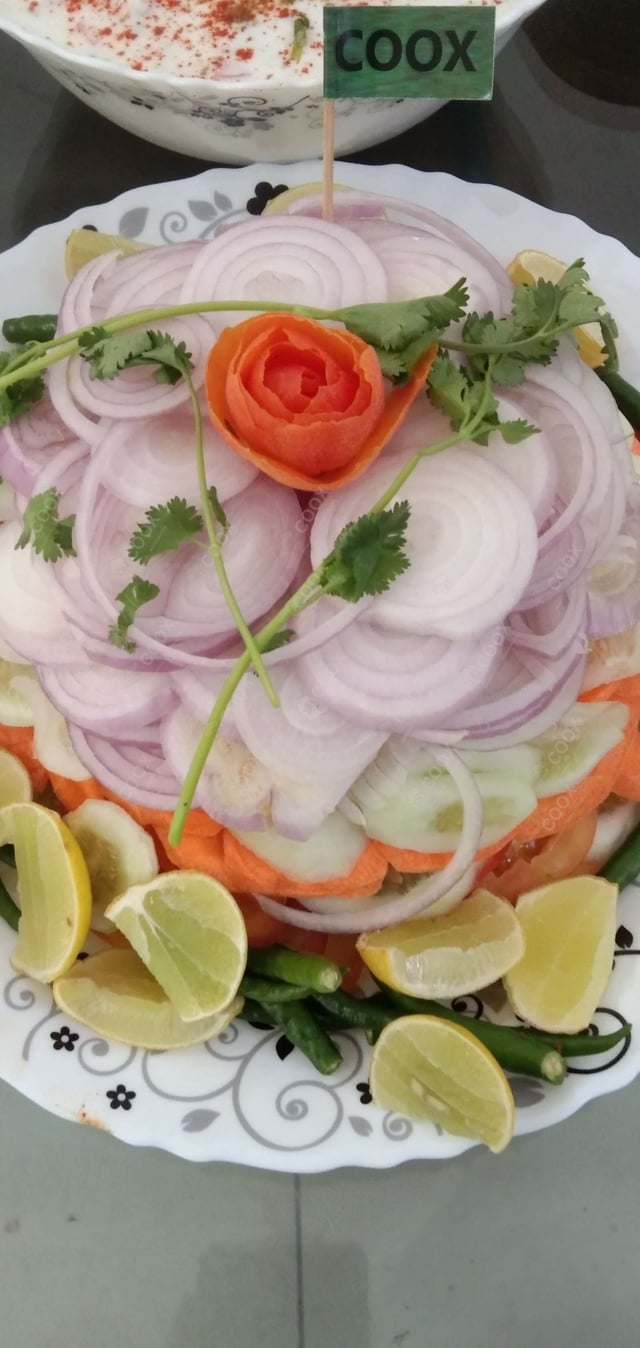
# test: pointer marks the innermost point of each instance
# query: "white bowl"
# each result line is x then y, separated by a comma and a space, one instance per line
233, 122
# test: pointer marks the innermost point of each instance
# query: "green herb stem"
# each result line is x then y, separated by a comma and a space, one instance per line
310, 590
43, 354
216, 553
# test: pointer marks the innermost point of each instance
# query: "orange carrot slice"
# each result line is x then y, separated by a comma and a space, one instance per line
259, 374
618, 690
404, 859
627, 784
246, 871
72, 794
554, 814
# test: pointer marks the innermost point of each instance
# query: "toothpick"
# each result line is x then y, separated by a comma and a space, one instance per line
328, 150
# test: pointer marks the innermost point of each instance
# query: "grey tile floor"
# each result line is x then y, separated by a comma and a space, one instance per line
104, 1245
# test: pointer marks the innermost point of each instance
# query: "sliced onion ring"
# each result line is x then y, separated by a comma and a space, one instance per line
426, 891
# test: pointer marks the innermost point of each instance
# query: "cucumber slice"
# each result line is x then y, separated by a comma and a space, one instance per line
571, 748
14, 708
426, 814
117, 850
522, 760
332, 849
51, 743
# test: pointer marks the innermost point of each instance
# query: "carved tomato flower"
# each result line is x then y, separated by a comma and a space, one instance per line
304, 403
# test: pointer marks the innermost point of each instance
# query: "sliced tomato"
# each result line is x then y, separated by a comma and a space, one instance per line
526, 866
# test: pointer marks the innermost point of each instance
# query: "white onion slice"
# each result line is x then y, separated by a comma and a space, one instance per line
149, 462
31, 621
106, 700
424, 893
297, 261
471, 542
417, 264
234, 787
393, 681
137, 772
312, 755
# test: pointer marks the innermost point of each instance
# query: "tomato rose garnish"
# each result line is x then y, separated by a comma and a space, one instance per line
304, 403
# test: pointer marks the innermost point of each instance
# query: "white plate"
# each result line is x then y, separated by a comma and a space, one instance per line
247, 1097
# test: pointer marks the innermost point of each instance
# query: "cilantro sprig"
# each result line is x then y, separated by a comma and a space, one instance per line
462, 398
541, 313
166, 527
48, 535
138, 592
108, 354
368, 555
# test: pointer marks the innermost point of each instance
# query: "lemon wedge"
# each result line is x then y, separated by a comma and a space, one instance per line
189, 932
84, 244
531, 265
114, 995
438, 1072
449, 955
54, 890
569, 932
118, 852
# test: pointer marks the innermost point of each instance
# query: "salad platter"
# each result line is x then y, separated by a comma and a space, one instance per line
248, 1095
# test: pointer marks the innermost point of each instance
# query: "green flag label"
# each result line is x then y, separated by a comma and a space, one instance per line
379, 51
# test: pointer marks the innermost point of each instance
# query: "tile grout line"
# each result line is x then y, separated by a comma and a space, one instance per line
297, 1193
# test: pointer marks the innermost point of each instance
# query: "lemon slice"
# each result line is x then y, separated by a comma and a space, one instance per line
114, 995
189, 931
569, 930
446, 956
436, 1071
15, 782
118, 852
84, 244
531, 265
53, 887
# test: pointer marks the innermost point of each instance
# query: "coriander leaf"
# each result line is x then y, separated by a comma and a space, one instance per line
217, 507
172, 357
134, 595
580, 307
281, 638
109, 354
535, 305
575, 274
165, 527
49, 536
398, 365
392, 327
514, 432
448, 389
368, 554
18, 397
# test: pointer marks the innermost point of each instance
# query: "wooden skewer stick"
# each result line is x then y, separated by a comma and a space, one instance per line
328, 150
